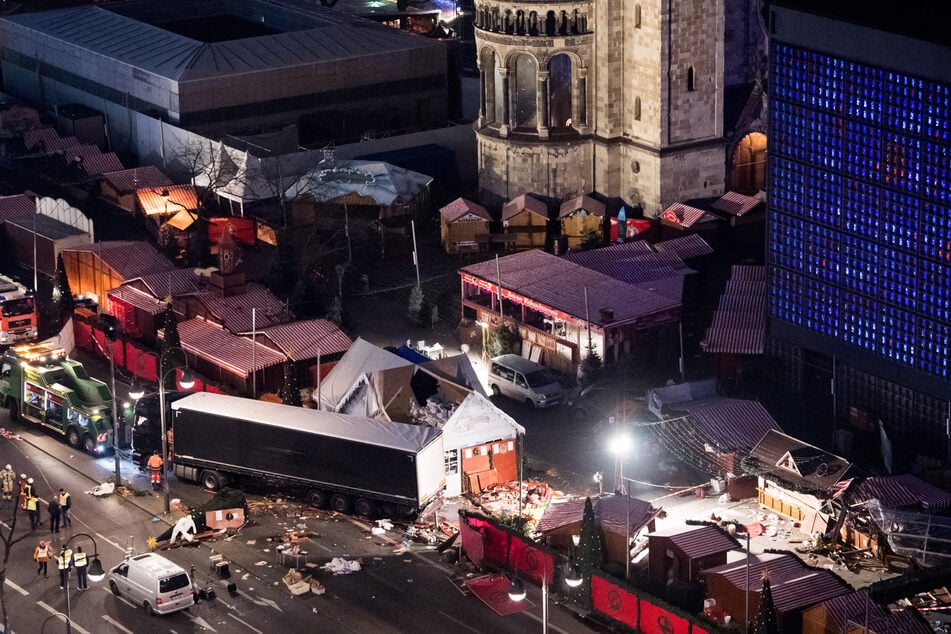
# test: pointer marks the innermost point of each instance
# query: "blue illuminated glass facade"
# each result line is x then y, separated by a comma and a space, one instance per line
859, 242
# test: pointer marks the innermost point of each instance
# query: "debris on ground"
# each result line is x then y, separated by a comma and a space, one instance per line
102, 490
341, 566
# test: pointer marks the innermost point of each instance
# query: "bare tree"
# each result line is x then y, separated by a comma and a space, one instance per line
9, 511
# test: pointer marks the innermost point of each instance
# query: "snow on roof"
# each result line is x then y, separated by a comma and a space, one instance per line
383, 182
477, 421
362, 358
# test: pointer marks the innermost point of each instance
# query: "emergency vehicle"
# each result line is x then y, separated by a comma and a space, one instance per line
17, 312
39, 383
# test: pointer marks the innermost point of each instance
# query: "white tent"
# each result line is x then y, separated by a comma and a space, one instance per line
382, 182
352, 371
475, 422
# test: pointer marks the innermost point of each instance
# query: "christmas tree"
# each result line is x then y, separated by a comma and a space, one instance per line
172, 355
290, 393
589, 556
766, 621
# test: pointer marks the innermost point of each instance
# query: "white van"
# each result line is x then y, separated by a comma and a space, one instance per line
152, 581
524, 380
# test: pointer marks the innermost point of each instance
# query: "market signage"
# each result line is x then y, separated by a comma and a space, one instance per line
515, 298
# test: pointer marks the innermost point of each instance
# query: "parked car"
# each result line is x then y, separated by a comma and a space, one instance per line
158, 584
524, 381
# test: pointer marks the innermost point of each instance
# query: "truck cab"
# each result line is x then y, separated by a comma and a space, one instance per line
146, 427
40, 384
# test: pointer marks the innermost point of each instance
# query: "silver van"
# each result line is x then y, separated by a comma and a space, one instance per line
154, 582
524, 380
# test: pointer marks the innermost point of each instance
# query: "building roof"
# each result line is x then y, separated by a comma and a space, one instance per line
128, 258
462, 209
685, 216
47, 141
237, 355
91, 160
559, 284
383, 182
139, 299
525, 202
308, 339
636, 263
130, 180
904, 492
308, 38
725, 425
169, 283
697, 542
796, 463
739, 321
610, 513
16, 206
585, 205
168, 199
477, 421
794, 584
852, 611
736, 204
685, 247
46, 227
255, 308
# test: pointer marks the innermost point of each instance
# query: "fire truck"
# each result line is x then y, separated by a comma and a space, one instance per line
40, 384
17, 312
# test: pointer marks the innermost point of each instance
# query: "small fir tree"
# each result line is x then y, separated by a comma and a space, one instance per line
63, 304
502, 341
335, 313
290, 392
590, 368
171, 355
766, 621
589, 556
417, 301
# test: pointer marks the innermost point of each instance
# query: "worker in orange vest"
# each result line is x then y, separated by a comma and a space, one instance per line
155, 465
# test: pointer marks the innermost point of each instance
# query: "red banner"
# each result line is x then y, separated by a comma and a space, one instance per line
82, 332
472, 542
614, 601
657, 620
531, 562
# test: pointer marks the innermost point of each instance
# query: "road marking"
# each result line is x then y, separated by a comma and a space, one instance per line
109, 541
382, 580
72, 623
114, 623
245, 623
18, 588
121, 598
550, 626
200, 622
259, 601
458, 622
324, 547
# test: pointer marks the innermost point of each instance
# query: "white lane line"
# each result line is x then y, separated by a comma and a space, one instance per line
17, 588
458, 622
109, 541
121, 598
260, 601
245, 623
200, 622
114, 623
72, 623
384, 581
539, 619
319, 545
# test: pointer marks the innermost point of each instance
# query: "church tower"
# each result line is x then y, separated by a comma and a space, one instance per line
625, 98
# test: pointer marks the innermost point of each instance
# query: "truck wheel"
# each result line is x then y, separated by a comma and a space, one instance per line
89, 444
212, 480
340, 503
495, 390
73, 438
364, 507
317, 498
388, 509
14, 410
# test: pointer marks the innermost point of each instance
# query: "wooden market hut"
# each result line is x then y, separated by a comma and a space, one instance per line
580, 216
526, 218
464, 226
679, 553
618, 517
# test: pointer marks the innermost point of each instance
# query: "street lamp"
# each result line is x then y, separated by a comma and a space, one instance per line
94, 572
187, 382
517, 592
736, 528
620, 446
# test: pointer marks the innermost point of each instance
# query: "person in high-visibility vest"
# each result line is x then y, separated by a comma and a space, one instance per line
63, 561
65, 503
9, 478
26, 489
79, 561
33, 508
155, 466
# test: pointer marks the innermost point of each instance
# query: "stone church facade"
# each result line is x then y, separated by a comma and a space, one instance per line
652, 102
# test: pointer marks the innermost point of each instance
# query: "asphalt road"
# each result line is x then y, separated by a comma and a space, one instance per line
396, 591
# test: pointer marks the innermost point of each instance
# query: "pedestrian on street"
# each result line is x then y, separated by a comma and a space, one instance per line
63, 561
155, 467
65, 503
41, 555
9, 478
33, 509
55, 510
79, 561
